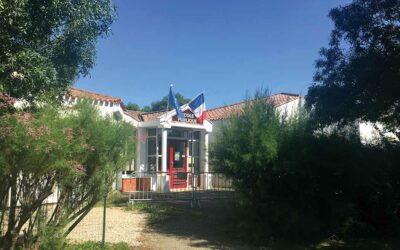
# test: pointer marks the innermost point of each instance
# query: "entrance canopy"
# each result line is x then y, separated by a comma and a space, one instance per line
169, 145
169, 119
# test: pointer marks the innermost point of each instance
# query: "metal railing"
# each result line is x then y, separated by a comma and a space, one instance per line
182, 185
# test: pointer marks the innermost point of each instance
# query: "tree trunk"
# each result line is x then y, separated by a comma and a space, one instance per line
11, 236
91, 205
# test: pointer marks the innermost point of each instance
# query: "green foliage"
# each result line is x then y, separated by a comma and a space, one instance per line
146, 108
74, 150
115, 199
46, 45
132, 106
158, 105
300, 183
92, 245
51, 237
163, 103
358, 74
158, 212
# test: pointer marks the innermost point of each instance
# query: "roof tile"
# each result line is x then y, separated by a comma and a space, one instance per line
219, 113
231, 110
80, 93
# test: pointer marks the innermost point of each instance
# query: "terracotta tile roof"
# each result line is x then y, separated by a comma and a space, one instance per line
143, 116
148, 116
228, 111
219, 113
80, 93
136, 115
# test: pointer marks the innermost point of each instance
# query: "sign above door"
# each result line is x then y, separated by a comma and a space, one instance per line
188, 117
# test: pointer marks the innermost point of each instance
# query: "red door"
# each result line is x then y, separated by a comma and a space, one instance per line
177, 160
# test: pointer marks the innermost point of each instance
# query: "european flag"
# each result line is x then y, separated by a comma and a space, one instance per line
174, 103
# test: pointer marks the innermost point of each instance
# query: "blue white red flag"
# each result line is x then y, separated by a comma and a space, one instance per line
198, 107
174, 103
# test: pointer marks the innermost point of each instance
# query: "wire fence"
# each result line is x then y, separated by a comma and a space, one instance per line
121, 225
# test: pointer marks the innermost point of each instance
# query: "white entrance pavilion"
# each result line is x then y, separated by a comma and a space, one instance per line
169, 151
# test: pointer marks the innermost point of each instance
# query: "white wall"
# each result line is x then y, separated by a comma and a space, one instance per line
291, 108
287, 109
105, 108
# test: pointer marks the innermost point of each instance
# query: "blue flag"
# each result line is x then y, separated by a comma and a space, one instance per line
174, 103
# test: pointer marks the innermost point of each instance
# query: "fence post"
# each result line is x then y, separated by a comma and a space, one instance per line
192, 202
103, 239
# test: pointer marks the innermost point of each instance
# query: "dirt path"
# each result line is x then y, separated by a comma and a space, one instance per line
203, 228
121, 226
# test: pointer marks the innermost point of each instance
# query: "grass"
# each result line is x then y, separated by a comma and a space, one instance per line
114, 199
241, 229
359, 244
158, 212
94, 245
354, 244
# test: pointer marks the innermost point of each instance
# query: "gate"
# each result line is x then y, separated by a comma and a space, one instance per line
178, 164
181, 185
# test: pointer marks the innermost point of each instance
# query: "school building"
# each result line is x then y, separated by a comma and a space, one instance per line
170, 149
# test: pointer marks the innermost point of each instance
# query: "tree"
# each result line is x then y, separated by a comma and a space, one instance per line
132, 106
146, 108
163, 103
157, 105
74, 150
358, 75
46, 45
299, 183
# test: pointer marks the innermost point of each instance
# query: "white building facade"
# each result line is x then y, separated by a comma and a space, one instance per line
171, 151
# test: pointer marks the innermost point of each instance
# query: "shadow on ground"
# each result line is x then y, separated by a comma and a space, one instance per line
201, 228
208, 228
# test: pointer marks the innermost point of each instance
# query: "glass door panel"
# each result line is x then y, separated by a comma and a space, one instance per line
177, 162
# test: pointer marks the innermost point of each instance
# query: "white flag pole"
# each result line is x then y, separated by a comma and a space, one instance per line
166, 111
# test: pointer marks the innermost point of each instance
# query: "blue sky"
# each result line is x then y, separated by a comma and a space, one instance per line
221, 47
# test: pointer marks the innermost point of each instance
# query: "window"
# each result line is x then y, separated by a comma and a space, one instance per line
194, 152
153, 149
177, 133
196, 135
151, 146
152, 132
152, 163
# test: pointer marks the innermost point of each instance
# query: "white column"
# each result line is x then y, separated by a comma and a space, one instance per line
139, 159
164, 150
206, 152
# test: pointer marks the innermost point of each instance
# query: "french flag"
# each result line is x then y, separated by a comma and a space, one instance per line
198, 107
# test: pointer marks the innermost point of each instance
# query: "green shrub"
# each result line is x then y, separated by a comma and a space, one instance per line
94, 245
157, 212
116, 199
73, 149
297, 183
51, 237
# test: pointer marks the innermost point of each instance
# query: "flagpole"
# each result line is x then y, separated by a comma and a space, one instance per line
166, 111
